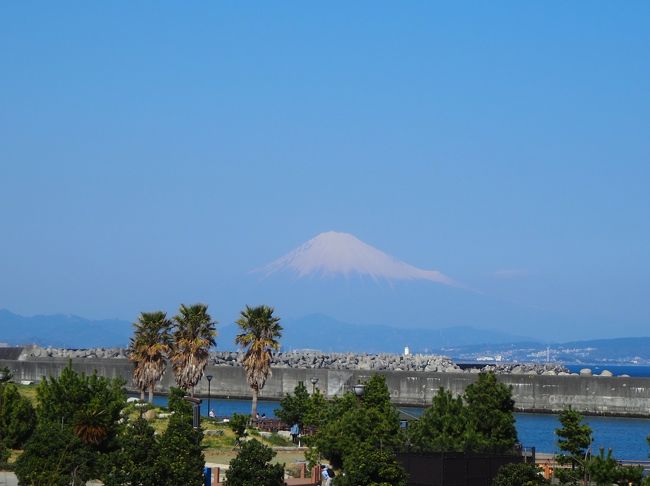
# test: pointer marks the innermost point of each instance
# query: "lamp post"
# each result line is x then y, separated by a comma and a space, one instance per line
314, 380
209, 378
359, 389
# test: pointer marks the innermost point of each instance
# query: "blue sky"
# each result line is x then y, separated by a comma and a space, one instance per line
153, 153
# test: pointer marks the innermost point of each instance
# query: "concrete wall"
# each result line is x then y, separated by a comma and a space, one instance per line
532, 393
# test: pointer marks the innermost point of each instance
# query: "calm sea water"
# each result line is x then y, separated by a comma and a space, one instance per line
632, 370
626, 436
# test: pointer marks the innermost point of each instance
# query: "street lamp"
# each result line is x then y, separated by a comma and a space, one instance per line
314, 380
359, 389
209, 378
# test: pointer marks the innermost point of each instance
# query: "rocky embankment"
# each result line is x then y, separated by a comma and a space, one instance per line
317, 360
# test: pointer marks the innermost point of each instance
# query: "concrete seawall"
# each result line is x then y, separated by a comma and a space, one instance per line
623, 396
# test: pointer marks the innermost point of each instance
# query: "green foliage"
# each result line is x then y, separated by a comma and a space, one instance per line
77, 423
134, 461
238, 423
350, 425
480, 421
181, 459
252, 467
605, 470
371, 467
277, 440
317, 411
442, 427
17, 416
54, 456
294, 408
489, 415
574, 438
65, 399
6, 374
519, 474
5, 452
177, 403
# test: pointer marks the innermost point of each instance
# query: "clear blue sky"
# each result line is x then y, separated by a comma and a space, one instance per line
152, 153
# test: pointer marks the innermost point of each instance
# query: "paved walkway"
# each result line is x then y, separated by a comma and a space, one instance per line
8, 479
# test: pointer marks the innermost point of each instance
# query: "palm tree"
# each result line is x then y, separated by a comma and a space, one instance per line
90, 425
148, 349
194, 334
260, 331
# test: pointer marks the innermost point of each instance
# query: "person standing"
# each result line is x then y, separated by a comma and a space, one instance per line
326, 480
295, 432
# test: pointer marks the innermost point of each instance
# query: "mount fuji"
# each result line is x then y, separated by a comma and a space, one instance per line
342, 254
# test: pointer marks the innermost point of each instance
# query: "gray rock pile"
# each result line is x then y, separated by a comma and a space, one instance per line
94, 353
375, 362
318, 360
527, 369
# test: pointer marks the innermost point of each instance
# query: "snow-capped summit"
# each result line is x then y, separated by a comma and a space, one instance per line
333, 253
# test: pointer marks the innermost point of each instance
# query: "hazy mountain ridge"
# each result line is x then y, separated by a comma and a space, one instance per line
63, 330
321, 332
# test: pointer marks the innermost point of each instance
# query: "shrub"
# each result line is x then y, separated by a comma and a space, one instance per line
252, 467
54, 456
238, 424
519, 474
17, 416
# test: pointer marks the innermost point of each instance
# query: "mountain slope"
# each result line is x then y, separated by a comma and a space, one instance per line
333, 253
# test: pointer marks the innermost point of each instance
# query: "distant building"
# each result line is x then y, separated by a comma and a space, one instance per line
407, 351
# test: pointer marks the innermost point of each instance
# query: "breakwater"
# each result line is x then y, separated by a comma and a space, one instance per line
533, 392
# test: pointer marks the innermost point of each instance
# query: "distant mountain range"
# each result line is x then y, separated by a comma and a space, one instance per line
321, 332
63, 330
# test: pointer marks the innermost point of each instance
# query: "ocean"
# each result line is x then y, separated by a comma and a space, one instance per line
617, 370
626, 436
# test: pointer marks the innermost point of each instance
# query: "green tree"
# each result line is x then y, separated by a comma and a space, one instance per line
252, 467
181, 459
148, 348
238, 423
77, 423
574, 439
5, 374
604, 470
194, 334
371, 467
260, 332
294, 408
350, 424
17, 416
519, 474
54, 456
133, 463
317, 410
65, 399
5, 452
490, 415
442, 427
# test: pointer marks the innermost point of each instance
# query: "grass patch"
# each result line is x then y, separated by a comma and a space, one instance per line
277, 440
28, 391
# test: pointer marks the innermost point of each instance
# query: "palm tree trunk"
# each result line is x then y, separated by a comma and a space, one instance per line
151, 394
142, 394
254, 406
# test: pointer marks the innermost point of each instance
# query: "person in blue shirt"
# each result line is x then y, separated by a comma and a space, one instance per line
295, 432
